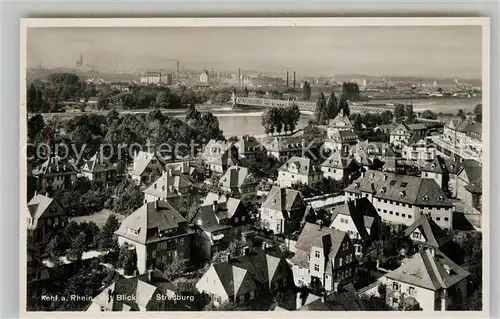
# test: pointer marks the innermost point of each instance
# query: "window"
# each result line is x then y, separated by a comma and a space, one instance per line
404, 205
446, 219
403, 215
181, 241
416, 235
395, 286
385, 211
153, 254
236, 219
284, 282
316, 267
316, 254
242, 218
397, 214
390, 212
438, 218
252, 294
410, 206
411, 291
340, 261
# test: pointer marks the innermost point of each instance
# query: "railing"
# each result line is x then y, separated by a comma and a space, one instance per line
303, 105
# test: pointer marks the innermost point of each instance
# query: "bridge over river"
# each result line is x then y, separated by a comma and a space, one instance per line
304, 105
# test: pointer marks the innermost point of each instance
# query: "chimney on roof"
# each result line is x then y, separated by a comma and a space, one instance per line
385, 177
214, 205
110, 295
157, 203
246, 250
150, 276
335, 286
323, 296
264, 245
320, 224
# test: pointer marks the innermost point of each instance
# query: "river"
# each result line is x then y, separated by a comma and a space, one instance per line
242, 121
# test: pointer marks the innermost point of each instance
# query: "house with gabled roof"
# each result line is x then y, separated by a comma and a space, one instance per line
173, 187
418, 151
283, 210
147, 167
359, 219
429, 277
402, 133
402, 199
425, 233
238, 182
340, 132
324, 257
249, 149
147, 292
218, 222
299, 170
339, 167
157, 233
56, 173
254, 274
45, 215
444, 171
190, 169
469, 184
217, 156
283, 148
99, 168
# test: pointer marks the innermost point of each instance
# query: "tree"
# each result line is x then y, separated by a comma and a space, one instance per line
313, 133
428, 114
54, 247
176, 268
344, 105
478, 112
105, 236
350, 90
129, 198
461, 114
192, 113
399, 112
277, 118
102, 101
267, 121
127, 260
306, 91
77, 247
292, 117
36, 125
332, 106
321, 109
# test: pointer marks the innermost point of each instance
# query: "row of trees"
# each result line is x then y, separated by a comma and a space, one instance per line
326, 110
280, 119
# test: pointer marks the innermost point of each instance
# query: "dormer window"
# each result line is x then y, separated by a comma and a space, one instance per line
382, 190
425, 198
156, 185
440, 198
356, 185
433, 165
402, 194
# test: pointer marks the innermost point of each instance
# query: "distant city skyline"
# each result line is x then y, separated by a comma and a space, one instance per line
423, 51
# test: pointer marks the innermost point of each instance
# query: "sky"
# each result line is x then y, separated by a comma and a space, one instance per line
426, 51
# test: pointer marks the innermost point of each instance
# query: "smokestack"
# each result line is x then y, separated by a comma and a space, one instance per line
287, 78
294, 80
239, 78
177, 71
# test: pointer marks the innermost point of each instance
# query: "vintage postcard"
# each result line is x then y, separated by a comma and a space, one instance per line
202, 166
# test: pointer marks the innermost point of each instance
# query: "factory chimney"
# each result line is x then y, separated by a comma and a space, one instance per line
294, 80
287, 78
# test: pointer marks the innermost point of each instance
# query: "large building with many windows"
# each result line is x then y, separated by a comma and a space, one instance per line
402, 199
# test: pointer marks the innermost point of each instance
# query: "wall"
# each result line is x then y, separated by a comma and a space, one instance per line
335, 173
322, 201
425, 297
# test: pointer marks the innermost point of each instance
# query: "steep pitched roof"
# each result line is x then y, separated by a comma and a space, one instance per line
209, 219
430, 272
303, 165
168, 184
336, 160
97, 164
438, 165
340, 121
55, 165
434, 235
149, 220
475, 187
237, 176
282, 199
473, 173
41, 205
362, 213
317, 236
140, 290
242, 274
142, 160
282, 143
412, 190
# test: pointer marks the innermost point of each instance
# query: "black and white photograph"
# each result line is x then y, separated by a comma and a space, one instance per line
257, 164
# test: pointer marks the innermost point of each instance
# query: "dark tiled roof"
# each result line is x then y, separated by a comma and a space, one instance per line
434, 235
150, 219
98, 164
400, 188
303, 165
428, 271
317, 236
55, 166
438, 165
283, 199
336, 160
169, 184
475, 187
243, 274
43, 206
141, 290
362, 213
237, 176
